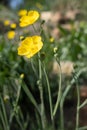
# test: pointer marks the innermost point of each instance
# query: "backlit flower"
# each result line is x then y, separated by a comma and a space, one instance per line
11, 34
30, 46
22, 12
22, 76
55, 49
6, 98
29, 18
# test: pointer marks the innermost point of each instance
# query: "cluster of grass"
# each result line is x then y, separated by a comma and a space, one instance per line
21, 105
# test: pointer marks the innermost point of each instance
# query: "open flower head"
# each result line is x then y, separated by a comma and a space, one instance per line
11, 34
22, 12
30, 46
29, 18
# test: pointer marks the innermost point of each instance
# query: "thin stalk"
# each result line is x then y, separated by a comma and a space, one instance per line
65, 94
61, 116
41, 93
18, 93
30, 96
83, 104
4, 113
78, 104
35, 29
49, 93
32, 64
16, 103
19, 122
3, 122
59, 90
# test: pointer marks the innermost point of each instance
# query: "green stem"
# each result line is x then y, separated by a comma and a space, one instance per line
65, 94
35, 29
2, 119
16, 103
30, 96
49, 93
41, 93
19, 122
83, 104
18, 93
32, 64
59, 91
61, 116
4, 114
78, 104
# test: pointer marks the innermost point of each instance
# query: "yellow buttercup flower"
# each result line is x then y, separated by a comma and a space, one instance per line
13, 25
22, 12
11, 34
30, 46
29, 19
6, 23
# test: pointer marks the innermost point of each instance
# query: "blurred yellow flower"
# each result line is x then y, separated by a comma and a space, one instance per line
30, 46
22, 12
11, 34
13, 25
51, 39
6, 22
29, 19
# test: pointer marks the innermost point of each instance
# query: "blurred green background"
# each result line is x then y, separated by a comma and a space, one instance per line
71, 41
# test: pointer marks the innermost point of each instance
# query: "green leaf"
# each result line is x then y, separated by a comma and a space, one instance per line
30, 96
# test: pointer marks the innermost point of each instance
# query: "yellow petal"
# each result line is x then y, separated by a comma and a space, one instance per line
22, 50
22, 12
33, 15
27, 42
